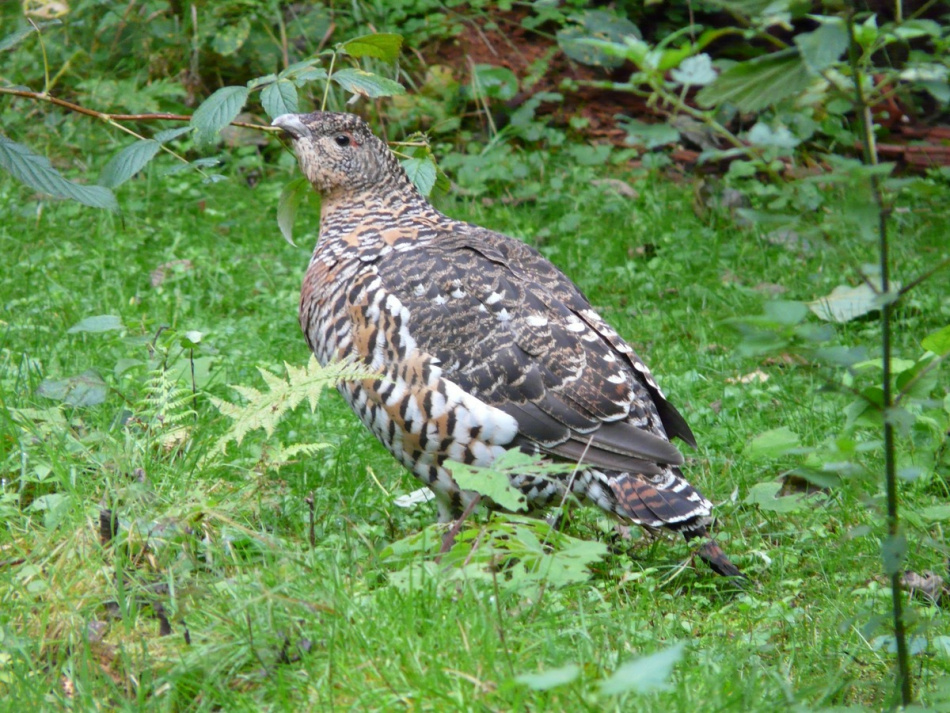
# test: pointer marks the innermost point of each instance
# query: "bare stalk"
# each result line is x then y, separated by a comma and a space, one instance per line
905, 681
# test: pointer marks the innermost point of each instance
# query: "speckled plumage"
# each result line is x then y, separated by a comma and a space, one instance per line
480, 345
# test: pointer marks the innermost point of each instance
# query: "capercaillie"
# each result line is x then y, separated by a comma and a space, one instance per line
479, 344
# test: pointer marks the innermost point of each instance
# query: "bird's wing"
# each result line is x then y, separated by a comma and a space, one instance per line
509, 328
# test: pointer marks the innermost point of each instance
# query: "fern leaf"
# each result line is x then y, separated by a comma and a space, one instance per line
265, 409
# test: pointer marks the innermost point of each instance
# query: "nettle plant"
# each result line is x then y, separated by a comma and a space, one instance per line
831, 82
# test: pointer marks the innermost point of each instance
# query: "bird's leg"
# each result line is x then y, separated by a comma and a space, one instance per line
449, 538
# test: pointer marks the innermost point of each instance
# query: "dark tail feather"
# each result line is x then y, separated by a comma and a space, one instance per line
711, 553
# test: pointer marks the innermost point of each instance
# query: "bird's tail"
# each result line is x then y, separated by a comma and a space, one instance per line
711, 553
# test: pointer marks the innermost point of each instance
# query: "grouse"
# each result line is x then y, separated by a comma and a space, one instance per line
478, 344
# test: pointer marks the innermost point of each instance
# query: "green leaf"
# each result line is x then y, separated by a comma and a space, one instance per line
287, 206
228, 39
279, 98
366, 84
766, 497
494, 82
37, 173
754, 85
574, 40
552, 678
694, 71
649, 136
936, 513
99, 323
128, 162
646, 674
772, 444
847, 303
938, 342
893, 551
491, 484
15, 38
422, 172
86, 389
823, 47
217, 111
385, 46
167, 135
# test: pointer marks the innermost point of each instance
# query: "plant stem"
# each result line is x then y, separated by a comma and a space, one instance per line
890, 465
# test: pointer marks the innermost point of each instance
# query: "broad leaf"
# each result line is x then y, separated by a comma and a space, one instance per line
766, 496
847, 303
167, 135
938, 342
37, 173
823, 47
99, 323
649, 136
287, 206
217, 111
772, 444
366, 84
575, 40
383, 46
490, 483
551, 678
694, 71
646, 674
422, 172
229, 38
279, 98
128, 162
936, 513
758, 83
86, 389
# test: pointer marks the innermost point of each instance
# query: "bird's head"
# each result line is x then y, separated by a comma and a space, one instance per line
339, 154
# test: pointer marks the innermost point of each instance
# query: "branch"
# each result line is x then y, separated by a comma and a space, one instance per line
103, 116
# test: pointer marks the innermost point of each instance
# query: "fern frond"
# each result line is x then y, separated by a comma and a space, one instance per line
265, 409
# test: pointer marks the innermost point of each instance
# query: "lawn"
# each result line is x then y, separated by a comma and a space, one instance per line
140, 570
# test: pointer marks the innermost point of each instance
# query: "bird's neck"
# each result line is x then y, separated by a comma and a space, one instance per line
393, 204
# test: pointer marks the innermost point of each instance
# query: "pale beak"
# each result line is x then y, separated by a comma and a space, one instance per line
292, 124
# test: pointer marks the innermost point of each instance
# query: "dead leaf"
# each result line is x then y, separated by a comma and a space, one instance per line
756, 376
622, 188
158, 275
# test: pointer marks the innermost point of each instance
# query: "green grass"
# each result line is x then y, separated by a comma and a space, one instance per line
262, 620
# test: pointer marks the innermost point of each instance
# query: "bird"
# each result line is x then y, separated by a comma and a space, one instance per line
475, 344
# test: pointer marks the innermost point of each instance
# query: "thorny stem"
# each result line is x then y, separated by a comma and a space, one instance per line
890, 467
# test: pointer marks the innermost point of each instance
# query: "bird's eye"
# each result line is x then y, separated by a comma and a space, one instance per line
342, 140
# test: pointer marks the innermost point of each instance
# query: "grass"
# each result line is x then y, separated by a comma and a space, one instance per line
219, 552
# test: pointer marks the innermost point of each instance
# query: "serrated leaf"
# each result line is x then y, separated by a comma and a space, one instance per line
129, 161
217, 111
495, 82
491, 484
601, 26
37, 173
824, 46
772, 443
422, 172
552, 678
645, 674
649, 136
86, 389
756, 84
367, 84
385, 46
99, 323
937, 342
695, 71
171, 134
279, 98
287, 206
15, 38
